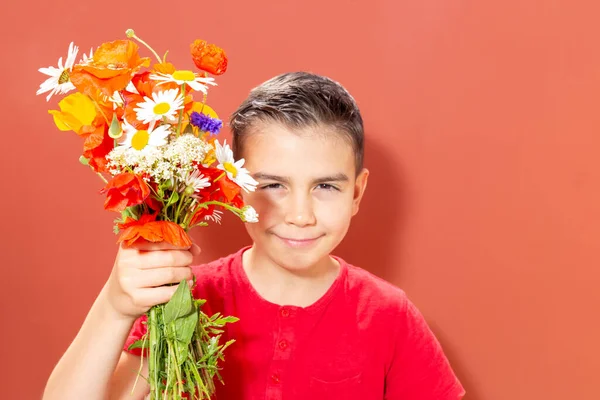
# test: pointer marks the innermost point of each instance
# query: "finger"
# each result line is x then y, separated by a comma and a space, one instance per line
166, 258
162, 276
144, 245
149, 297
195, 249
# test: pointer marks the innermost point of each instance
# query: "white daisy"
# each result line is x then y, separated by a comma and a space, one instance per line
162, 104
215, 216
195, 181
85, 58
249, 214
194, 81
144, 140
59, 82
233, 168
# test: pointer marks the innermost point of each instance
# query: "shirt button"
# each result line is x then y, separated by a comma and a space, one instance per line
275, 378
285, 312
283, 344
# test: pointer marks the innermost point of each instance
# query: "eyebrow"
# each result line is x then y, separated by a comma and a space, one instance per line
341, 177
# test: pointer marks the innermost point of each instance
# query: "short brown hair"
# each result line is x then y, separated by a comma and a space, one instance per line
301, 100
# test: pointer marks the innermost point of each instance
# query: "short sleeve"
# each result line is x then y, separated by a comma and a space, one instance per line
138, 330
419, 369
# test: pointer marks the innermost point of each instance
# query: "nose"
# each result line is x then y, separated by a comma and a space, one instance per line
300, 211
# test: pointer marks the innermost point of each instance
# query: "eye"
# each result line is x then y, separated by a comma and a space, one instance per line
327, 186
272, 186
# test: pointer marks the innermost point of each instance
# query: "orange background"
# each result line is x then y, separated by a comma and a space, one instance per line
483, 141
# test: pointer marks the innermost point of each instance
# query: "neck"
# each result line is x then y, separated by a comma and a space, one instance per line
283, 286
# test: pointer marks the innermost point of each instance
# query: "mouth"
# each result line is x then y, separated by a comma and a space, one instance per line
299, 243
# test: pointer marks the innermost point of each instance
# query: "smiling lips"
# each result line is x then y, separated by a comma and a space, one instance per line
298, 243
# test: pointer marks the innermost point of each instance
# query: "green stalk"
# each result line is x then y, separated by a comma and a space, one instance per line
153, 357
234, 210
181, 112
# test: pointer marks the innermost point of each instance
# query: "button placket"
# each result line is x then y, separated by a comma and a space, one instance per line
283, 342
285, 335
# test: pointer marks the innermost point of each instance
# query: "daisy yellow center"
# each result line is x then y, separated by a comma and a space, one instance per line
140, 140
64, 77
184, 75
161, 108
229, 167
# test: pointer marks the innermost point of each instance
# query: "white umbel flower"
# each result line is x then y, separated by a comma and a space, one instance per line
185, 150
234, 169
194, 81
249, 214
161, 105
59, 82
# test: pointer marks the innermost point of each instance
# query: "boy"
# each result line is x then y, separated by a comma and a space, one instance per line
311, 326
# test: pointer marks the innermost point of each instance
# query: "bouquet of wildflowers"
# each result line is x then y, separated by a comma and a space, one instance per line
165, 172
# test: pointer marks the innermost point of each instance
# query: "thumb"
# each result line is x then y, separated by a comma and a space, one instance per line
195, 250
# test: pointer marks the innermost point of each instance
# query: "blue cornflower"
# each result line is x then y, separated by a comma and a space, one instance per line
206, 123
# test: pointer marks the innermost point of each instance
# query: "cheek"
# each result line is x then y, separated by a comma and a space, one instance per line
266, 206
334, 211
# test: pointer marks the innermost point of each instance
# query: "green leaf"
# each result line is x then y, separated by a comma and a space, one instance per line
180, 304
223, 321
140, 344
200, 302
181, 351
84, 161
185, 327
173, 199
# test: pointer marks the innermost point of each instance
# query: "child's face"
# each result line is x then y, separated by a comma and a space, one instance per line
307, 193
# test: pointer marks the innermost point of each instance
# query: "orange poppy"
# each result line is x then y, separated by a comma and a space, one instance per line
130, 103
109, 70
209, 57
153, 231
164, 68
125, 190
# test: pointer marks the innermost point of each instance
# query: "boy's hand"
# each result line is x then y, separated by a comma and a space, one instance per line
140, 273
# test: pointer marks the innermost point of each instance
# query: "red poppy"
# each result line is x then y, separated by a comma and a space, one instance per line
96, 147
125, 190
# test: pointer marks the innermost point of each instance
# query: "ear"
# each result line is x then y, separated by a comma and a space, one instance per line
360, 186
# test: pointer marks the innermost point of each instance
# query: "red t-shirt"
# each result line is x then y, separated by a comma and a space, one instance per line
363, 339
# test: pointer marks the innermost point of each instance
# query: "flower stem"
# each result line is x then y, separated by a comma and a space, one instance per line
102, 177
234, 210
131, 34
205, 97
100, 109
153, 359
219, 177
181, 112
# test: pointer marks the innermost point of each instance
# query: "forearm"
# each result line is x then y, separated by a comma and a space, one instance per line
84, 371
